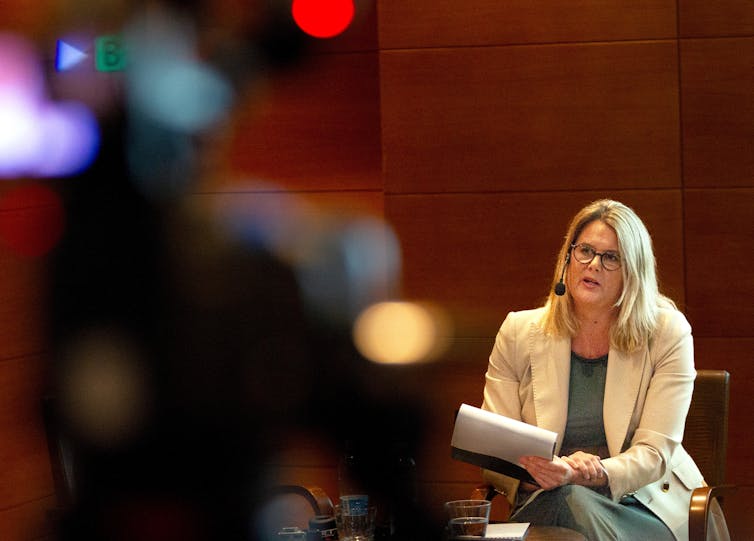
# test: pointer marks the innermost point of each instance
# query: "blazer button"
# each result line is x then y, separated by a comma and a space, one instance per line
665, 486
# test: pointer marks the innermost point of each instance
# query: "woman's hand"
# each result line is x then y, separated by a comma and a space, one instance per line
548, 474
579, 469
588, 469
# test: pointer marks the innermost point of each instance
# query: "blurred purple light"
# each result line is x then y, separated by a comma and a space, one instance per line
39, 138
70, 139
19, 133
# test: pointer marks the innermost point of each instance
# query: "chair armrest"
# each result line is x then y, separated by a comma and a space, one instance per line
501, 507
483, 492
701, 499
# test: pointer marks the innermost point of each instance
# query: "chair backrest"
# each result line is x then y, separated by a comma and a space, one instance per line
706, 435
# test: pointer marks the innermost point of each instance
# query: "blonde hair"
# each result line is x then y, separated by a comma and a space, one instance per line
638, 303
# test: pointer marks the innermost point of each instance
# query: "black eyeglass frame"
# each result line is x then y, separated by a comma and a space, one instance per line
617, 260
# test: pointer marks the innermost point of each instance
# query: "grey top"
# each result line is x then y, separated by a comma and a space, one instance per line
585, 428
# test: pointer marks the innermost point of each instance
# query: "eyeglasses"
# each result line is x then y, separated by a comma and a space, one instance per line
584, 253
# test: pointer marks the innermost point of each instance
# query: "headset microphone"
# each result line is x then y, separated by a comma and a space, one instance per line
560, 287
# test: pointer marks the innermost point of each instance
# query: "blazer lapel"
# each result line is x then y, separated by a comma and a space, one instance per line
550, 374
623, 385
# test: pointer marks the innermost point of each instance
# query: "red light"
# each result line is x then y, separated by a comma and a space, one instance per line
323, 18
31, 220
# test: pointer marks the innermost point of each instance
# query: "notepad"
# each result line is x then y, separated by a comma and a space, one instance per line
496, 532
507, 530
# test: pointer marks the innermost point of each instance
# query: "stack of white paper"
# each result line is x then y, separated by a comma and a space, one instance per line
496, 442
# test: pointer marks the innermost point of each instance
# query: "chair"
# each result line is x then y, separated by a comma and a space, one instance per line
706, 440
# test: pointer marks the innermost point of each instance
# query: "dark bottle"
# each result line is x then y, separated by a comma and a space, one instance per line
402, 493
351, 490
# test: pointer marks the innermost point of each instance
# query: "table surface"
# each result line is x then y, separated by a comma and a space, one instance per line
548, 533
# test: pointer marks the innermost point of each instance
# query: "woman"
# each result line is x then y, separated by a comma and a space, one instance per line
608, 364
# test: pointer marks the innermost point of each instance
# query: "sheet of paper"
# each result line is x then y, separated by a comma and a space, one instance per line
486, 433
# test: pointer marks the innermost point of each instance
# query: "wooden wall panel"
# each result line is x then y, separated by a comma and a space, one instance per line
720, 261
720, 18
21, 306
25, 476
283, 206
29, 521
312, 460
21, 276
32, 20
492, 253
718, 111
564, 117
739, 513
448, 23
446, 387
314, 128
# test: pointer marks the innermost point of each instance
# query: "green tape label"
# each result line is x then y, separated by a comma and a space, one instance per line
110, 53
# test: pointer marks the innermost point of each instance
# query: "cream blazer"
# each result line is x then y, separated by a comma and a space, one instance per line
647, 397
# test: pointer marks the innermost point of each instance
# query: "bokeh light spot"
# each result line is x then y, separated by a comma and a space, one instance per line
168, 83
401, 333
343, 262
32, 219
104, 387
323, 18
20, 137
